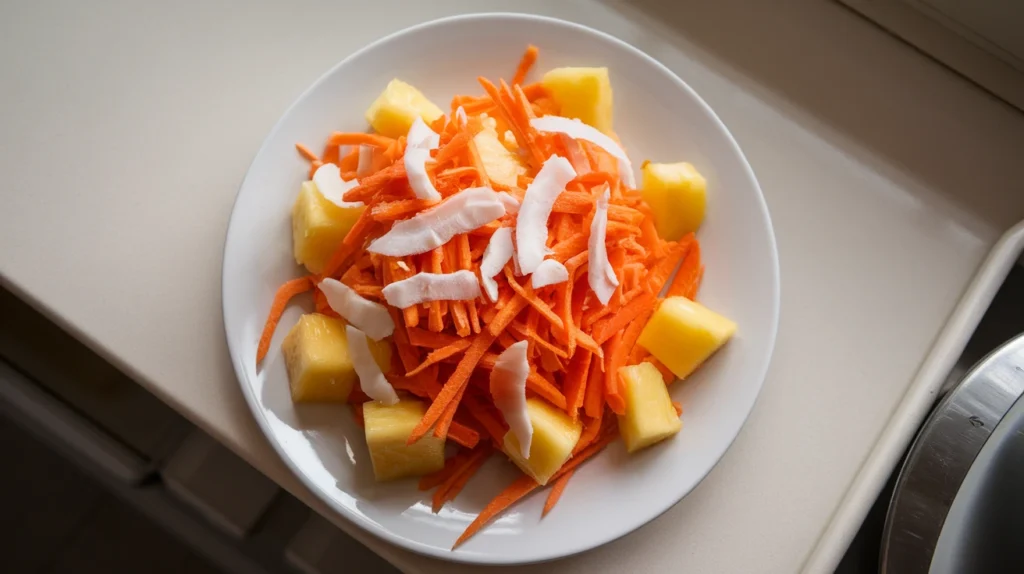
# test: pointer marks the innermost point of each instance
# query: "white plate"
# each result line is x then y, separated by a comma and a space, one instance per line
658, 117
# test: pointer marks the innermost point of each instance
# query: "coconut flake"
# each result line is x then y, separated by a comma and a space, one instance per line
425, 287
365, 165
508, 389
460, 213
600, 274
549, 272
327, 179
496, 255
371, 378
415, 160
581, 131
511, 204
369, 317
421, 136
532, 221
460, 114
420, 140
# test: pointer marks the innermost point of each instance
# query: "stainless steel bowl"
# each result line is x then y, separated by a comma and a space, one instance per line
957, 506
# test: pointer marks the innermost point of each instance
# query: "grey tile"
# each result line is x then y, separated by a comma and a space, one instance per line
322, 548
117, 539
46, 497
218, 484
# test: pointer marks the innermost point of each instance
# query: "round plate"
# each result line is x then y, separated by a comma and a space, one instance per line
657, 117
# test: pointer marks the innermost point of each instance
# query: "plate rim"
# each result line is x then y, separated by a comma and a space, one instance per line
376, 529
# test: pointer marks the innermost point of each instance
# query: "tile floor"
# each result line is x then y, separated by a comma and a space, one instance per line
68, 523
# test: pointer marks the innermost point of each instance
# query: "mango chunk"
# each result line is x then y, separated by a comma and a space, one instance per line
398, 106
500, 164
677, 195
318, 226
650, 416
554, 436
682, 334
387, 430
316, 357
582, 93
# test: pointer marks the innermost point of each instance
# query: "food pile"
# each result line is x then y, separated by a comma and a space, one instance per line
495, 279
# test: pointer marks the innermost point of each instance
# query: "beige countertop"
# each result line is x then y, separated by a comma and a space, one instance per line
128, 126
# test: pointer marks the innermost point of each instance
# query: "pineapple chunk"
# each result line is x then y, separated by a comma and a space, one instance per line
316, 356
650, 416
501, 165
318, 226
387, 430
676, 194
554, 436
682, 334
395, 110
582, 93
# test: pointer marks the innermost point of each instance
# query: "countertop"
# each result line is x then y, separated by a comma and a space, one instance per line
128, 126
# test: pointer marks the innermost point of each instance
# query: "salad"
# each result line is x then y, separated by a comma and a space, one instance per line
494, 283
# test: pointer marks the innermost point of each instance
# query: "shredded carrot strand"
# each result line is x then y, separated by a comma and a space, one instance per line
306, 152
359, 138
464, 470
424, 338
463, 435
529, 57
281, 298
556, 492
441, 354
605, 328
438, 477
521, 487
454, 387
688, 276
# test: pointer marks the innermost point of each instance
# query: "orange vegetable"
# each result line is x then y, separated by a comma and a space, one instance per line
525, 485
306, 152
464, 469
441, 354
556, 492
529, 57
689, 274
638, 306
463, 435
612, 387
521, 487
359, 138
423, 338
281, 298
455, 386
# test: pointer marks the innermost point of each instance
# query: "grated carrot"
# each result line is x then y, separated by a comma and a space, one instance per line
556, 492
281, 298
529, 57
306, 152
687, 278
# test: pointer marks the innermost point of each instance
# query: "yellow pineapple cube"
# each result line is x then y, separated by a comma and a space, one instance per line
395, 110
387, 430
682, 334
554, 436
316, 356
650, 416
501, 165
677, 195
318, 226
582, 93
